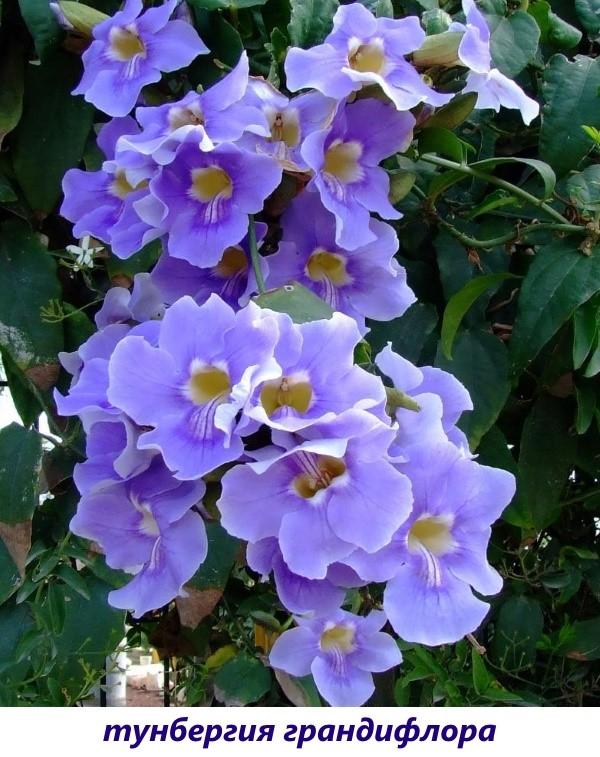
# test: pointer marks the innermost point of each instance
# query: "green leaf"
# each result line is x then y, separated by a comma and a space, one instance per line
589, 15
593, 366
15, 623
242, 681
514, 43
480, 362
583, 642
92, 629
20, 464
554, 31
460, 303
437, 139
55, 603
7, 193
559, 280
454, 113
585, 395
73, 579
379, 8
408, 334
42, 25
24, 400
518, 627
482, 678
401, 182
211, 5
586, 322
544, 171
12, 67
41, 158
584, 188
10, 580
571, 96
545, 461
297, 301
32, 275
222, 550
311, 21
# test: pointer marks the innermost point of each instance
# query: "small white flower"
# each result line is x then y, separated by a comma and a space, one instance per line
83, 253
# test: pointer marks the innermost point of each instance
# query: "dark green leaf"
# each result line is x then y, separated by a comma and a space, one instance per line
584, 188
455, 112
559, 280
222, 549
32, 275
555, 32
482, 678
514, 42
589, 14
310, 21
545, 460
24, 400
584, 641
242, 681
42, 25
408, 334
585, 330
480, 362
59, 146
570, 92
10, 580
460, 303
12, 67
379, 7
20, 462
437, 139
55, 602
301, 692
585, 394
73, 579
517, 629
297, 301
542, 169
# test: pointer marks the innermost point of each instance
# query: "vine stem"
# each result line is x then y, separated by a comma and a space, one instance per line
522, 193
254, 256
523, 231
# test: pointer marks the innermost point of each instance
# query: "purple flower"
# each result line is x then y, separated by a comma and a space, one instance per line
131, 50
143, 303
439, 553
191, 387
232, 278
145, 526
360, 51
321, 497
317, 379
298, 594
205, 199
112, 454
205, 119
101, 203
289, 121
345, 160
89, 366
365, 282
441, 397
341, 650
492, 87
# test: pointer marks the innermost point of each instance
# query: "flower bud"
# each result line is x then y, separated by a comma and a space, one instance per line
77, 17
438, 50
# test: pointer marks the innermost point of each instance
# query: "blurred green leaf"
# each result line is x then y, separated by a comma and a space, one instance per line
242, 681
310, 21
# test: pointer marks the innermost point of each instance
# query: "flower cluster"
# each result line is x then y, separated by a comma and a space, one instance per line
360, 475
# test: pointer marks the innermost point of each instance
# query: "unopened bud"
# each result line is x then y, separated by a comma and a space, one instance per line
436, 21
438, 50
78, 17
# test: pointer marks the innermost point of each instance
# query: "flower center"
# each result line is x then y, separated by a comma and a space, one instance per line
433, 533
233, 261
125, 43
148, 525
286, 393
323, 469
324, 265
341, 161
337, 639
285, 127
179, 116
120, 186
210, 183
368, 58
208, 384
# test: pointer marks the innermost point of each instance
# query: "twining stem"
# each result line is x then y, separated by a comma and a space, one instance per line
515, 190
515, 234
254, 256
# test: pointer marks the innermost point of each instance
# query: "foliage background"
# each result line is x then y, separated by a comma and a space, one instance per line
510, 305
